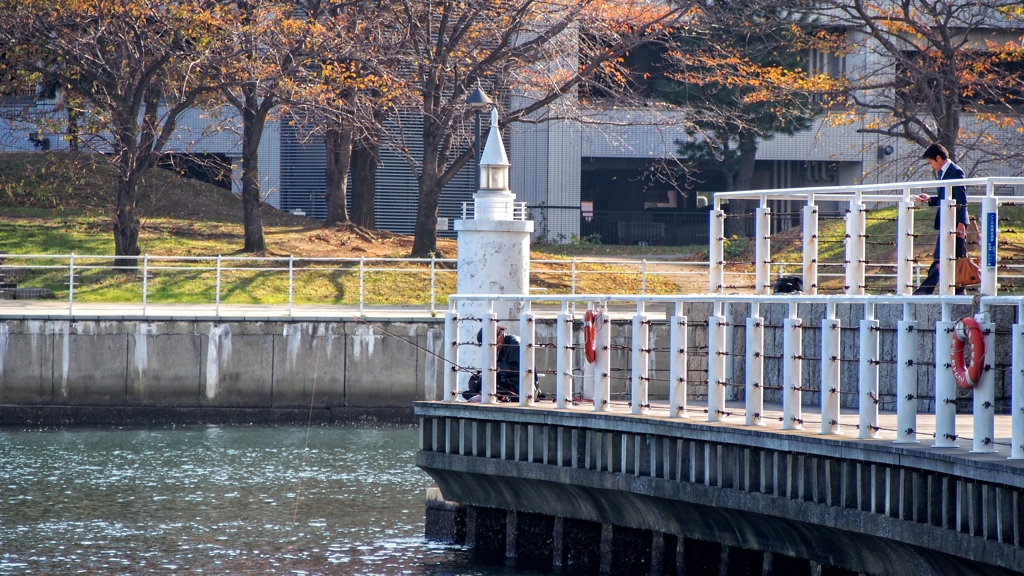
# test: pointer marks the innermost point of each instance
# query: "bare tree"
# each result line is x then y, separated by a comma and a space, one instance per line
945, 72
452, 46
134, 65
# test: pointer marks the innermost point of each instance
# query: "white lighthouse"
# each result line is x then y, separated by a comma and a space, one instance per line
494, 246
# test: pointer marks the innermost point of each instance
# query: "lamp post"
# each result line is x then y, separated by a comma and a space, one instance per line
478, 101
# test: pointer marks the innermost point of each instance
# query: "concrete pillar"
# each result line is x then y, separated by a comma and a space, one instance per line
945, 384
527, 356
856, 232
717, 355
867, 422
810, 230
639, 359
906, 377
830, 372
947, 245
716, 252
905, 246
489, 356
451, 355
606, 549
754, 367
985, 391
989, 244
792, 376
603, 364
762, 249
677, 364
1017, 389
563, 357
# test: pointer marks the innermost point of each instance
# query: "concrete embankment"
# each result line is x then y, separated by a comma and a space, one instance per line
56, 370
70, 371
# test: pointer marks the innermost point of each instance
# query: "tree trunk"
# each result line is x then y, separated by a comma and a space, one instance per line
252, 132
748, 159
364, 181
338, 141
425, 241
126, 223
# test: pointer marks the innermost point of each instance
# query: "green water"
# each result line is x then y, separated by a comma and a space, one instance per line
217, 500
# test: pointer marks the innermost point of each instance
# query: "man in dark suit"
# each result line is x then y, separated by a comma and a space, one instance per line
938, 159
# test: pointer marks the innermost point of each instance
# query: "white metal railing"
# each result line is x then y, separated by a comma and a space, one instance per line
859, 197
754, 352
291, 269
519, 210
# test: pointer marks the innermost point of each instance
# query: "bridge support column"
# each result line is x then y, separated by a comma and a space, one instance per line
754, 367
1017, 390
677, 364
906, 377
830, 372
451, 355
639, 360
717, 354
792, 364
603, 363
527, 356
985, 391
945, 384
868, 375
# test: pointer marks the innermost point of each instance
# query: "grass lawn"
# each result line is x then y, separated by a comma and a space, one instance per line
60, 203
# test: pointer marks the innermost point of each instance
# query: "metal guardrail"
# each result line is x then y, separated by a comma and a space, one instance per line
72, 267
787, 350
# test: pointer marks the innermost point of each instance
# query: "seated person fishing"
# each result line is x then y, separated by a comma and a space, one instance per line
508, 368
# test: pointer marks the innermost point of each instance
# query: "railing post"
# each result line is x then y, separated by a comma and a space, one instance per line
362, 264
717, 354
527, 356
945, 384
291, 283
754, 367
867, 385
810, 230
762, 248
989, 244
433, 285
716, 252
488, 356
603, 361
985, 391
830, 371
643, 276
563, 357
855, 238
947, 246
792, 377
905, 260
1017, 388
906, 377
588, 367
677, 364
145, 282
217, 295
451, 354
71, 284
639, 357
572, 277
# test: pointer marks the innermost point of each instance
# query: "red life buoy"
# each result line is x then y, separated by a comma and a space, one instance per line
968, 330
589, 335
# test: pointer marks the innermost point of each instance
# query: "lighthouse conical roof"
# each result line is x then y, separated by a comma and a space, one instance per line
494, 150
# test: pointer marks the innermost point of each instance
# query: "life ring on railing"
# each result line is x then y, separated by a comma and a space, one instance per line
967, 330
589, 335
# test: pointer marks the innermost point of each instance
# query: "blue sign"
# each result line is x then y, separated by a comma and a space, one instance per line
990, 239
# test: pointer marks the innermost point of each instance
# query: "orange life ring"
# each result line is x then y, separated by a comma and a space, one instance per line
589, 335
966, 330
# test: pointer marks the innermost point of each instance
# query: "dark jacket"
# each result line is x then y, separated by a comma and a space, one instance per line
508, 365
959, 194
